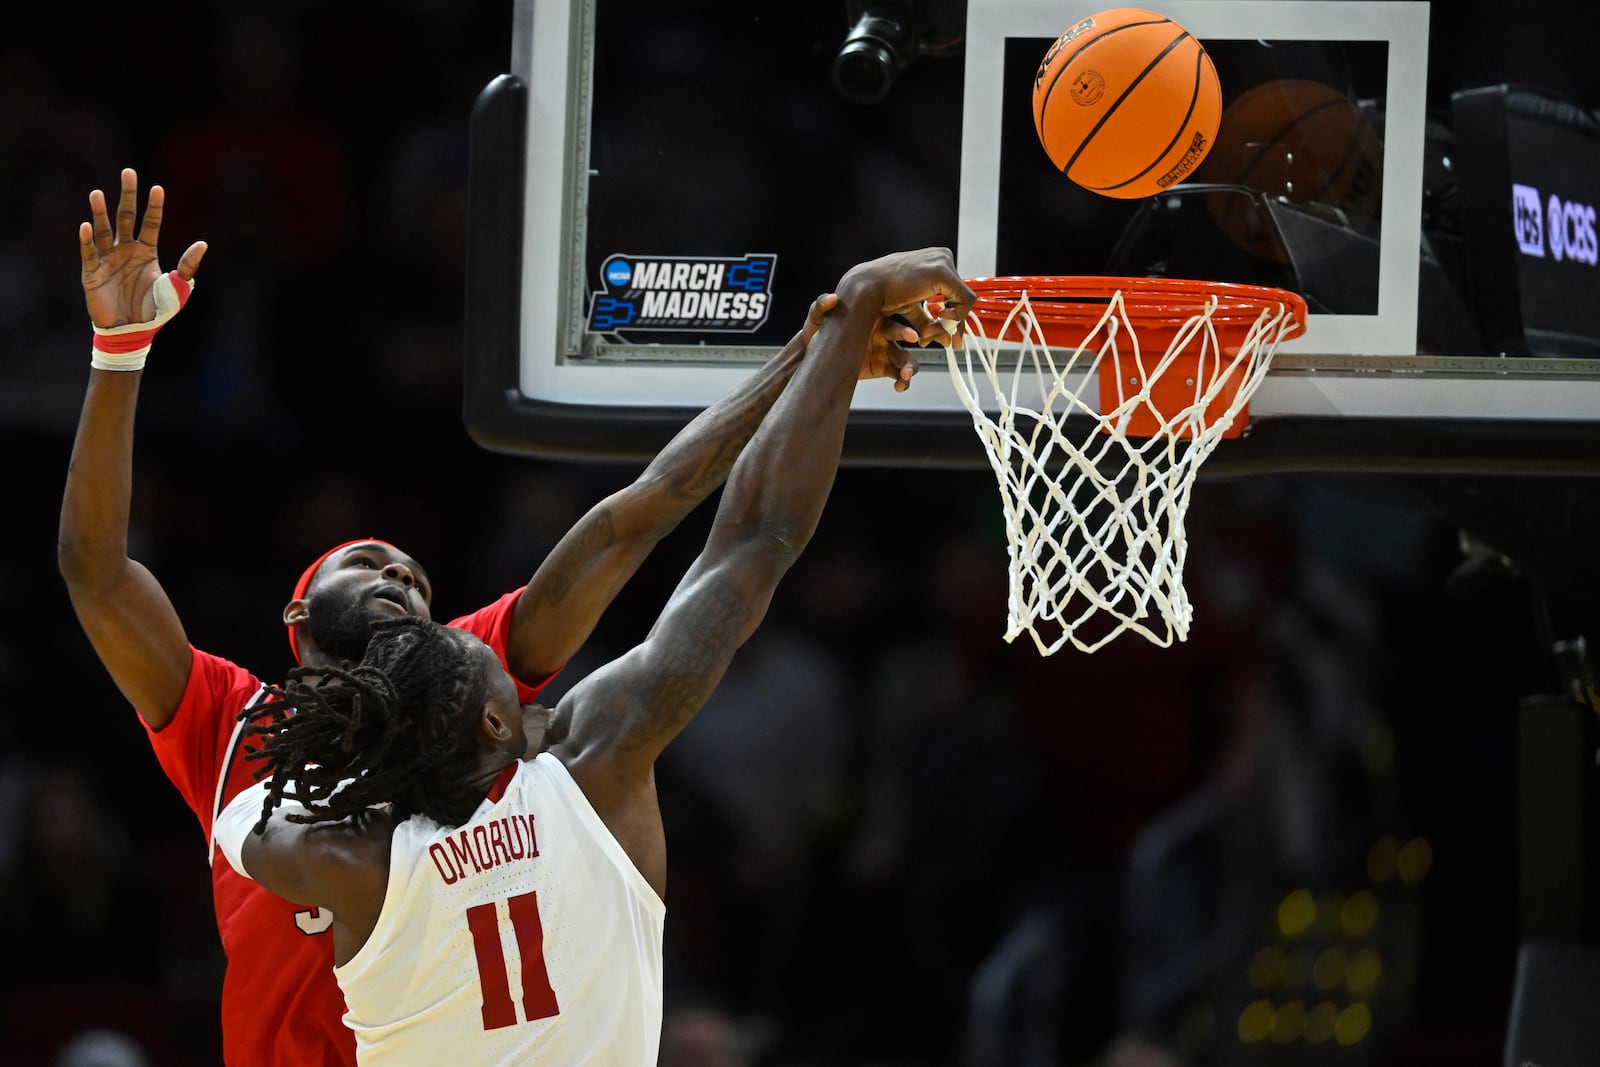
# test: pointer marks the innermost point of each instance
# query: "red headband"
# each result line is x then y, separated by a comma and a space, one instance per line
304, 583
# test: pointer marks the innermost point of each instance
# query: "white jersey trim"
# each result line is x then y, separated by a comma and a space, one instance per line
222, 772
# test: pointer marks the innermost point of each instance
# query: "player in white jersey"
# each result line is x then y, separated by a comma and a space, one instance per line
496, 873
524, 934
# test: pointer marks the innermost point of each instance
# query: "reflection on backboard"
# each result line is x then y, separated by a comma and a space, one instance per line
658, 194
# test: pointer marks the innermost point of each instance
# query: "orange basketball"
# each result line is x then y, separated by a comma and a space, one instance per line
1301, 141
1126, 103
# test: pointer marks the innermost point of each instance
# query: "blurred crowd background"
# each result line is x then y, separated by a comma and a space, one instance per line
895, 839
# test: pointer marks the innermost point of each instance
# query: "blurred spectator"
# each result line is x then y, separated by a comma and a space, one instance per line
75, 902
948, 839
1134, 1050
766, 753
81, 926
63, 142
269, 184
702, 1037
102, 1048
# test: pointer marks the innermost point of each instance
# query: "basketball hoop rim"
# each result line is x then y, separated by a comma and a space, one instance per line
1080, 300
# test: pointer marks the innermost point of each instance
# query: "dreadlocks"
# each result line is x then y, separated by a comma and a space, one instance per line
399, 729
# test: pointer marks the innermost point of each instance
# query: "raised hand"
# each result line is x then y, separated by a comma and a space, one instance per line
884, 357
905, 283
119, 270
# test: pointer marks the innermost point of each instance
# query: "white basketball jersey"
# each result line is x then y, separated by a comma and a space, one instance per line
524, 936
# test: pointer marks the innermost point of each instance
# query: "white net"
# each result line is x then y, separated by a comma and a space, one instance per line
1094, 513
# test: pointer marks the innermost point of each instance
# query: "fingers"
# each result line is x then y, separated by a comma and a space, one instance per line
189, 262
894, 331
908, 370
918, 318
127, 205
950, 323
955, 296
885, 358
923, 288
955, 301
899, 364
912, 280
103, 238
930, 325
953, 314
949, 328
91, 258
818, 311
152, 216
97, 237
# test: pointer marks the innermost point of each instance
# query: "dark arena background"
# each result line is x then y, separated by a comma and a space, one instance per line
1349, 821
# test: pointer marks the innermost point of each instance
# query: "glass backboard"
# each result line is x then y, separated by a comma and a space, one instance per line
659, 191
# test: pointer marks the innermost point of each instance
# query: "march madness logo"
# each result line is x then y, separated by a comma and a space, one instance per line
708, 294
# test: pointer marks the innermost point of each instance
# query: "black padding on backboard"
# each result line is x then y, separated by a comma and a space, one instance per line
1538, 104
497, 414
1333, 444
1485, 169
1526, 306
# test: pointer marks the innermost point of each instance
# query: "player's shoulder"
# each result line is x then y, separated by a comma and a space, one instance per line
216, 690
218, 673
489, 620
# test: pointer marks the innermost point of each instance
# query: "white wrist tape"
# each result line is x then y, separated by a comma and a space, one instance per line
125, 347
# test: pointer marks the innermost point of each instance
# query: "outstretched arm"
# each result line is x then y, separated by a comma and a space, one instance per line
590, 565
342, 866
624, 714
123, 609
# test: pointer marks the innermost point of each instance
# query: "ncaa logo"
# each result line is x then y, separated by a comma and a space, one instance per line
618, 273
1527, 218
1571, 229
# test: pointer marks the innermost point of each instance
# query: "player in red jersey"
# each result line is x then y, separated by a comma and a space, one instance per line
442, 823
281, 1004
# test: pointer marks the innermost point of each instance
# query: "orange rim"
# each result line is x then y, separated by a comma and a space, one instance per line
1080, 301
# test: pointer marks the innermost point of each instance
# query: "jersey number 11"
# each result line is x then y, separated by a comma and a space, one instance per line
538, 999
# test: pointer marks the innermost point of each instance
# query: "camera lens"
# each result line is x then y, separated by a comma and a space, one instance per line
872, 54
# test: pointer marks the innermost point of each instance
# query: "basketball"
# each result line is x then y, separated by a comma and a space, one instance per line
1126, 103
1302, 141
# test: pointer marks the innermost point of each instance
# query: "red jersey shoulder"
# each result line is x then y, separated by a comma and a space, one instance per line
196, 746
492, 625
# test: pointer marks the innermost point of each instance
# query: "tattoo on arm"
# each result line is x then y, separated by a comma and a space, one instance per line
594, 533
715, 462
724, 431
697, 645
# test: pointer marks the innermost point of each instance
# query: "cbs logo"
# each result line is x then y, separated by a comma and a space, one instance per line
1565, 226
1570, 229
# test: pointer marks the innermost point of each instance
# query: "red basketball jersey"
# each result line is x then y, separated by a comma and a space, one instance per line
280, 1002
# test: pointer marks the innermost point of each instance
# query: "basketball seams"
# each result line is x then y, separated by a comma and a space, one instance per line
1042, 103
1102, 113
1310, 134
1278, 136
1194, 100
1112, 110
1337, 171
